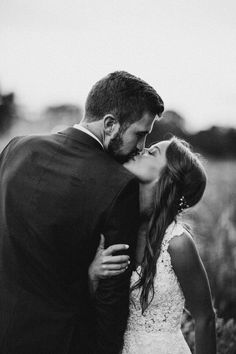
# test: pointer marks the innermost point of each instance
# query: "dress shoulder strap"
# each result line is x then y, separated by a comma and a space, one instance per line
174, 229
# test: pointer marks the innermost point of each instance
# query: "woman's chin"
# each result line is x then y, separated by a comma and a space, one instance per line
129, 165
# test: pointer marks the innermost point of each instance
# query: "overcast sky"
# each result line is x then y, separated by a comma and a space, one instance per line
52, 51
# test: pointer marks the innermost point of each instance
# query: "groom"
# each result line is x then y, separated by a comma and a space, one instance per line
58, 193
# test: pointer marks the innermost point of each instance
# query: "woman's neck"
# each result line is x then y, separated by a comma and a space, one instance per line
146, 199
141, 242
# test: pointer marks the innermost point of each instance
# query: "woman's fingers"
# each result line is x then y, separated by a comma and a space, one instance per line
115, 266
102, 242
115, 259
112, 273
115, 248
116, 272
100, 248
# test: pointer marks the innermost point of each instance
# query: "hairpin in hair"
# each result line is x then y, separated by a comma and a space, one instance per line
182, 204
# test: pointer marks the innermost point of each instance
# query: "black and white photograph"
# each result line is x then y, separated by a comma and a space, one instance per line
117, 177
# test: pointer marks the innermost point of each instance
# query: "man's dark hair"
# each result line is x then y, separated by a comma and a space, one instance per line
125, 96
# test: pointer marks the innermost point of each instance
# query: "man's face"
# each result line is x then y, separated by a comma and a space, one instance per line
127, 143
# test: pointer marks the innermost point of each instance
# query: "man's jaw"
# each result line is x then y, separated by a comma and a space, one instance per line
123, 158
133, 154
126, 158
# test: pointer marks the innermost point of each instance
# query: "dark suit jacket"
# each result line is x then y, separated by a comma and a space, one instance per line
57, 194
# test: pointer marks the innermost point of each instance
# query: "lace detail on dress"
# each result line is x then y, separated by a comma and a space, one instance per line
162, 319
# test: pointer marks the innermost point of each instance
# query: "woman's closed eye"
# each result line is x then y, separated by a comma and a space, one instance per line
146, 152
153, 151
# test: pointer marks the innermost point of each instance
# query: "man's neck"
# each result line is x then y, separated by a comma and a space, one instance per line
86, 129
93, 129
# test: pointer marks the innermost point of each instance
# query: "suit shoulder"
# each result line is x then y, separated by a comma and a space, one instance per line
35, 139
24, 139
35, 142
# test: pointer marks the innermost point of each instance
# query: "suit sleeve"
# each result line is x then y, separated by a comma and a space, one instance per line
112, 295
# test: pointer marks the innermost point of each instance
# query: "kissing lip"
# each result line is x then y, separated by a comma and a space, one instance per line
133, 156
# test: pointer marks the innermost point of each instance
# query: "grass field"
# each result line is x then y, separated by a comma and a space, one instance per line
214, 227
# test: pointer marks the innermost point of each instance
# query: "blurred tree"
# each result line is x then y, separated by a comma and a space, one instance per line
59, 117
170, 124
216, 141
7, 112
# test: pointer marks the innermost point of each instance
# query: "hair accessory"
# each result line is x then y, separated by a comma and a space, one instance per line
182, 204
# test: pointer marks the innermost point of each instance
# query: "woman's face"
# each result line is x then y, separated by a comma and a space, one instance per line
148, 165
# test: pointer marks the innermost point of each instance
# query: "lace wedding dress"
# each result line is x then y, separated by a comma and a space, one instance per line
158, 331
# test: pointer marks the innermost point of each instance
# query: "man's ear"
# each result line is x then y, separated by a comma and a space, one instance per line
111, 124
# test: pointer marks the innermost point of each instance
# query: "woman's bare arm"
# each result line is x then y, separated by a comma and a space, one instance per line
192, 277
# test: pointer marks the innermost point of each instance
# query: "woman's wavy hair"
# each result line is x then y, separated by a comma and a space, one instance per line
183, 177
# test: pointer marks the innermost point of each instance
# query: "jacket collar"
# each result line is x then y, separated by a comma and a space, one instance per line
80, 136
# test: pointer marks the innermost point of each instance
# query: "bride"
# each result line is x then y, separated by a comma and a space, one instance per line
169, 272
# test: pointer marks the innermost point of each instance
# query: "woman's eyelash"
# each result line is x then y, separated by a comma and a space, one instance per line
155, 150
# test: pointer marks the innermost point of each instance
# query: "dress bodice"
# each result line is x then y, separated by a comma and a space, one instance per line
162, 318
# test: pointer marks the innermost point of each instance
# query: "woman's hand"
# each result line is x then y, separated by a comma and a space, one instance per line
105, 264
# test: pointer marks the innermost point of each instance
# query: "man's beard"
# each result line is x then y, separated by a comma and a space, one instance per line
114, 148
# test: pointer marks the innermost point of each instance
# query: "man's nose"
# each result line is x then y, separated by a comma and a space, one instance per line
144, 151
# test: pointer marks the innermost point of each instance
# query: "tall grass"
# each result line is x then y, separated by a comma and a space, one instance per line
214, 224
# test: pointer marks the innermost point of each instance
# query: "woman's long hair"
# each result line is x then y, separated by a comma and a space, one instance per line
182, 176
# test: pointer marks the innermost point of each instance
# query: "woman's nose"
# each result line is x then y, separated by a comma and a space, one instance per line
144, 151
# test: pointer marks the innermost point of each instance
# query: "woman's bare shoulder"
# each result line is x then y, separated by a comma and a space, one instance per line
183, 251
